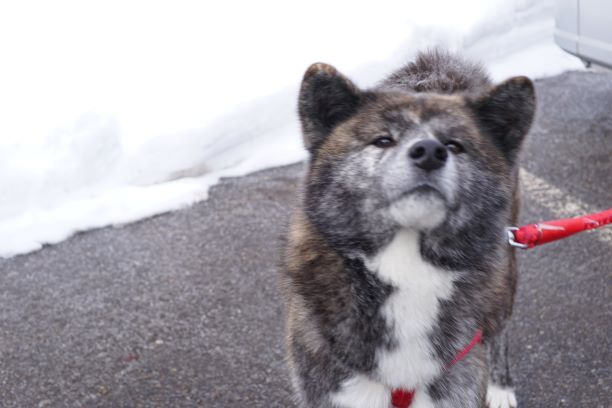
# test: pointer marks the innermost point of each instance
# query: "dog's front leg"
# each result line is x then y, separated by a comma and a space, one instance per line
464, 385
500, 392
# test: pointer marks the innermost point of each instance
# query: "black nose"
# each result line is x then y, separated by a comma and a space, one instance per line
428, 154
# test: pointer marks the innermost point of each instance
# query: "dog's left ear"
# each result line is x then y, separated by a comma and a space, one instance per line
505, 113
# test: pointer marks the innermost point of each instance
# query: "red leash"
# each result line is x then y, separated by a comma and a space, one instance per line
531, 235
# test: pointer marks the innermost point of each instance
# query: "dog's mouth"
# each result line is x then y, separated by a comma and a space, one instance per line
422, 189
422, 206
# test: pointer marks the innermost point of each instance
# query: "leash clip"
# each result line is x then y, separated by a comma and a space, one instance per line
511, 238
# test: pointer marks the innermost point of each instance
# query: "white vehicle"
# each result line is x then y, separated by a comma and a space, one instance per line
584, 29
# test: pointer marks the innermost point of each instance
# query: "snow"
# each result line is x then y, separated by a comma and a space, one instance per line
118, 110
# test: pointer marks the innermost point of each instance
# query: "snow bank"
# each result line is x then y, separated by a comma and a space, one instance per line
116, 111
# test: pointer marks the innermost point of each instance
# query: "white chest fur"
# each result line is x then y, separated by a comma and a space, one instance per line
411, 311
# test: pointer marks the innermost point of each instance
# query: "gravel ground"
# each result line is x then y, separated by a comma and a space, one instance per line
182, 310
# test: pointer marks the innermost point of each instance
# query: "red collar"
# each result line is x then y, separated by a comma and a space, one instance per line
402, 398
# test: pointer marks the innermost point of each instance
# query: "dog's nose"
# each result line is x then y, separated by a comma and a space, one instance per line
428, 154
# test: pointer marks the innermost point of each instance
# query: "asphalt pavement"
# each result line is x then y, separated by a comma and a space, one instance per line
183, 309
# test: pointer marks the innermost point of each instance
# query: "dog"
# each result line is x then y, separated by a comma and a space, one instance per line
398, 276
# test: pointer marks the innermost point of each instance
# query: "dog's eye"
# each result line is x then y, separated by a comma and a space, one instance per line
454, 146
383, 142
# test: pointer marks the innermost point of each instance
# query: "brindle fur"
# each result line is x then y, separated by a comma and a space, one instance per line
334, 323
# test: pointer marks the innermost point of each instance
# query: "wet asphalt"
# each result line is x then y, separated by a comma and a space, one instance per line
183, 310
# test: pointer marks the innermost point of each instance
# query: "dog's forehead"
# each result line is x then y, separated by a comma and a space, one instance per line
400, 112
397, 114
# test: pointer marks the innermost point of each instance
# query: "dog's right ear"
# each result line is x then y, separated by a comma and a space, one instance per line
326, 98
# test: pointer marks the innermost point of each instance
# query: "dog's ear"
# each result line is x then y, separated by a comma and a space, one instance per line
326, 98
505, 114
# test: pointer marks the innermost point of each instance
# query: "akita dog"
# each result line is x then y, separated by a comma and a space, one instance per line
398, 275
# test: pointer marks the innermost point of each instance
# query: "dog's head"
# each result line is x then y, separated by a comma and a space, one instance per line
387, 159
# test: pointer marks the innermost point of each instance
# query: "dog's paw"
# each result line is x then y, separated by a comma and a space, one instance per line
500, 397
361, 392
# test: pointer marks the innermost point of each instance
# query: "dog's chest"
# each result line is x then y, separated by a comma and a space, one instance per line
411, 312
